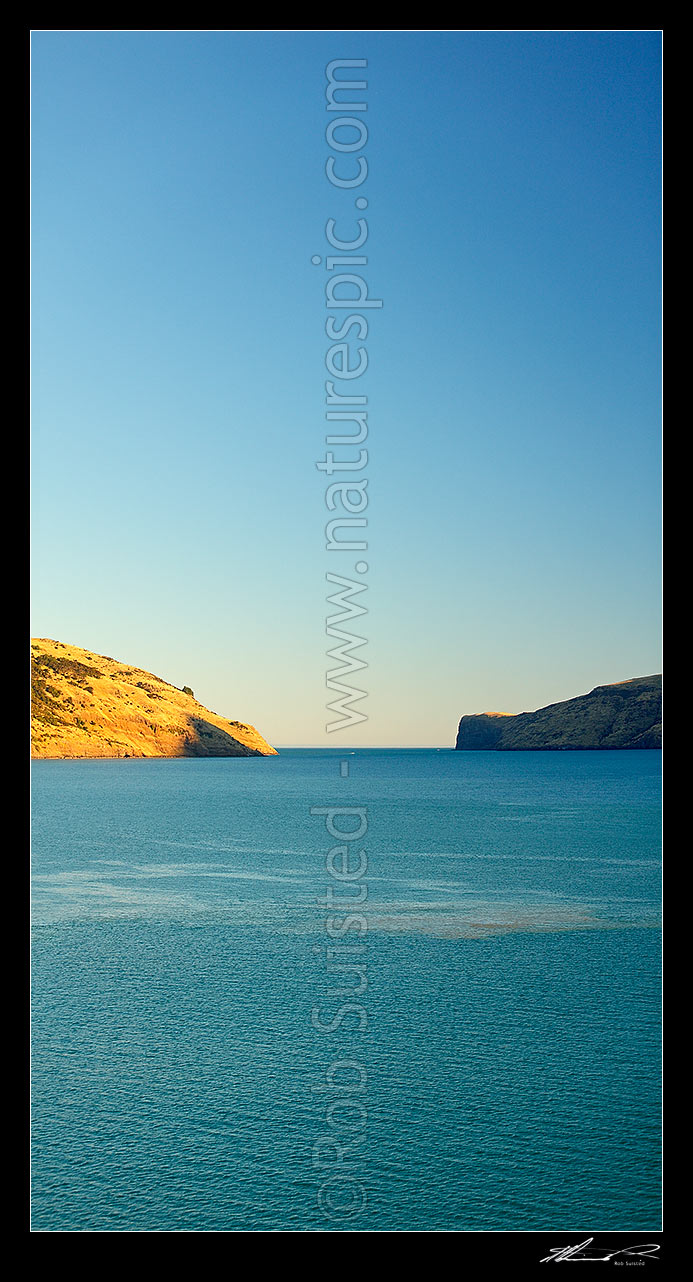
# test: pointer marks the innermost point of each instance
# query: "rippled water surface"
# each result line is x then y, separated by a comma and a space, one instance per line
496, 993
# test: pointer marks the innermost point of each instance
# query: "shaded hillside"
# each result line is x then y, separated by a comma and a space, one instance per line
88, 705
625, 715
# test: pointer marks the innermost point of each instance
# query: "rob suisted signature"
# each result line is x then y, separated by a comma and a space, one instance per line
584, 1251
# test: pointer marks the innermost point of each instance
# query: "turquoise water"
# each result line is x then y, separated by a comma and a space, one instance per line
496, 1061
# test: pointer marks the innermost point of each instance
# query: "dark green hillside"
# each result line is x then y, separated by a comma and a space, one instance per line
625, 715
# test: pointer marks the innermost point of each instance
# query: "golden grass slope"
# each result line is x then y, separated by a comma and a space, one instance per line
88, 705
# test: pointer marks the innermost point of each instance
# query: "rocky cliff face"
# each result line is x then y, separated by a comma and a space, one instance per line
88, 705
625, 715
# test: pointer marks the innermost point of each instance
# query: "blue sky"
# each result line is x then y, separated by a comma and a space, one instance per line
513, 383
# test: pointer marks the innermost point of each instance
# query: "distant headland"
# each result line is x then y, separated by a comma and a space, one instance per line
625, 715
89, 705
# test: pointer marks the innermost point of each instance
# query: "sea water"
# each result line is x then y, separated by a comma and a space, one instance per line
477, 1050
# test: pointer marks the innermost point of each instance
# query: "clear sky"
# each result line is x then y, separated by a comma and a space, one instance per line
179, 195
